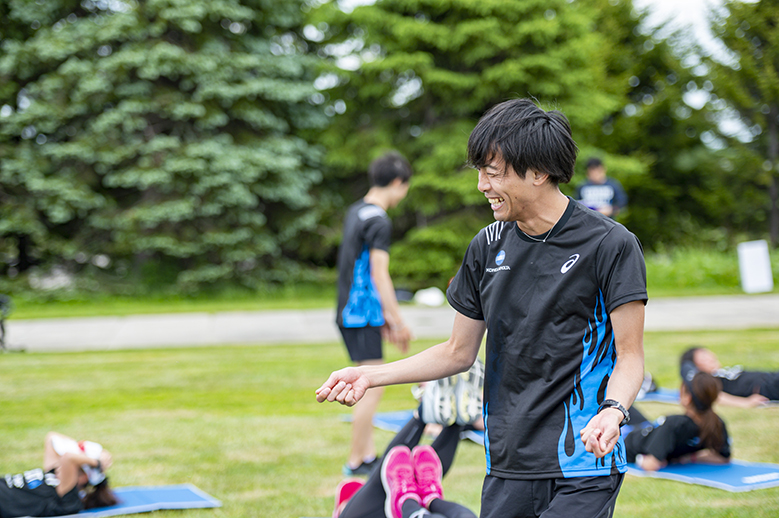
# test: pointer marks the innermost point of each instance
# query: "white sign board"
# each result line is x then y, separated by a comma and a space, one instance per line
754, 263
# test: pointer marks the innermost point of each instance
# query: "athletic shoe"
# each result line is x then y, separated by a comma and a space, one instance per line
469, 392
344, 492
428, 473
363, 469
439, 404
397, 477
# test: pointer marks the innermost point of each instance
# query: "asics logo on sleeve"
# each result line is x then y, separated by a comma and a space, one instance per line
569, 263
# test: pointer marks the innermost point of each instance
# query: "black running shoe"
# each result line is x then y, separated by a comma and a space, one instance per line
363, 469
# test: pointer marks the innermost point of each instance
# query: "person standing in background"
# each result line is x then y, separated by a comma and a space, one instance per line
600, 192
368, 310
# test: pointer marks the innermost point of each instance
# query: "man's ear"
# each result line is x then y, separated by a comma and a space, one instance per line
538, 178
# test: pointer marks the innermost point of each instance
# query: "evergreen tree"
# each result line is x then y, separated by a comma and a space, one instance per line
749, 81
662, 142
416, 76
165, 133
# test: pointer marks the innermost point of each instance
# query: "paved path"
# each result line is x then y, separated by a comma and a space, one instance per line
311, 326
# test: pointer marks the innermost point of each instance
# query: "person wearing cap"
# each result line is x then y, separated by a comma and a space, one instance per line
699, 435
72, 479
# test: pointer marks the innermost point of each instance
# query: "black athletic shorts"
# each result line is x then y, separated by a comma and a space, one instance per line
363, 343
579, 497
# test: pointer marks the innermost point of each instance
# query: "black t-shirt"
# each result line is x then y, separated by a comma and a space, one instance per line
366, 227
550, 345
33, 493
739, 382
670, 438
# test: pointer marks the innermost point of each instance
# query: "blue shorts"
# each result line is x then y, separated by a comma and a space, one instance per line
363, 343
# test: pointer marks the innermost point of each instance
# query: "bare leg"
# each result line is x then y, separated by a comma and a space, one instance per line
363, 446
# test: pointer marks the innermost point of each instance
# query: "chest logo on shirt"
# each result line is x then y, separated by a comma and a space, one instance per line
569, 263
499, 259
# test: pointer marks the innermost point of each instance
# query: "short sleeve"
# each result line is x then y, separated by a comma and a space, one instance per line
463, 293
621, 267
378, 233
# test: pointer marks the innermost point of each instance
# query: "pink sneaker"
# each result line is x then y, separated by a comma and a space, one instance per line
428, 473
344, 492
397, 477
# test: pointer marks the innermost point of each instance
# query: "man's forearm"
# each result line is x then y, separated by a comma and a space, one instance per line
383, 282
389, 302
430, 364
455, 355
628, 324
626, 379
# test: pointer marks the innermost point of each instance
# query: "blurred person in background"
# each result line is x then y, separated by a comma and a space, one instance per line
600, 192
368, 310
699, 435
740, 388
72, 479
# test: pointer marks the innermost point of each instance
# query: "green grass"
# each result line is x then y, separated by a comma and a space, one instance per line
678, 272
697, 271
242, 424
292, 297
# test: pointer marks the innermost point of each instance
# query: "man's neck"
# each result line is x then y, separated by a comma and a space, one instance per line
377, 196
549, 211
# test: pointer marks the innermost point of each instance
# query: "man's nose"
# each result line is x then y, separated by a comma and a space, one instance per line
484, 183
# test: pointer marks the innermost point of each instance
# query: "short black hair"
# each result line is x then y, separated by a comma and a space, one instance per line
527, 137
387, 167
689, 355
593, 162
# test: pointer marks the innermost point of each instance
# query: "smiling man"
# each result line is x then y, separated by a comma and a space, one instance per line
561, 290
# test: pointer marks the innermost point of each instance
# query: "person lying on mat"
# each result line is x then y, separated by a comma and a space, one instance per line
699, 435
73, 478
740, 388
408, 481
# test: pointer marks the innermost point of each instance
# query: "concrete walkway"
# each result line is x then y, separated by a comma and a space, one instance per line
314, 326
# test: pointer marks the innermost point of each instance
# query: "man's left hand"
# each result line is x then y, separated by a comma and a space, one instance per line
602, 432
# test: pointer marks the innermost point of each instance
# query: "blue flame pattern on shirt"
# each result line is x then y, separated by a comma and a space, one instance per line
364, 305
598, 358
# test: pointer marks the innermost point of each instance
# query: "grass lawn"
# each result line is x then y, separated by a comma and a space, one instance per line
241, 423
308, 297
681, 272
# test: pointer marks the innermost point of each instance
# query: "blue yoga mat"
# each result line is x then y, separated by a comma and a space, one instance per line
144, 499
737, 476
394, 421
661, 395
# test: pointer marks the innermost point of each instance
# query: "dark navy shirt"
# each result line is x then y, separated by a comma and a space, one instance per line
597, 195
550, 345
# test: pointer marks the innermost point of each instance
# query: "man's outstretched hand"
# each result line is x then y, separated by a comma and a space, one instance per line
346, 386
